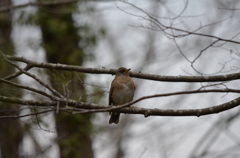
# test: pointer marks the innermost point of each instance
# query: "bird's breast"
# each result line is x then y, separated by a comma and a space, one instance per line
123, 95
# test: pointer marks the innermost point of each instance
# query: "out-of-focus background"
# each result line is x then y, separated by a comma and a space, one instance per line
111, 34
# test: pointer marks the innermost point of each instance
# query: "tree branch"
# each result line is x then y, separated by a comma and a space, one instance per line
46, 3
28, 88
163, 27
60, 103
154, 77
20, 116
82, 107
32, 76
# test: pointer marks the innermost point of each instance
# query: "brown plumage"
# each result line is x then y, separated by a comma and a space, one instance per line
121, 91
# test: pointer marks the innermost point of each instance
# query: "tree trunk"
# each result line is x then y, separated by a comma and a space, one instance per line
60, 40
11, 131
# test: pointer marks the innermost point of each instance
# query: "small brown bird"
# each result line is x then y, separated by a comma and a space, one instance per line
121, 92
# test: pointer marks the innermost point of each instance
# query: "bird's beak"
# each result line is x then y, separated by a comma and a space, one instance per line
127, 70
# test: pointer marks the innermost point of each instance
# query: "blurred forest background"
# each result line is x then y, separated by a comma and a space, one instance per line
108, 33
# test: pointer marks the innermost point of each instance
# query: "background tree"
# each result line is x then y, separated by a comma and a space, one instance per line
11, 131
61, 41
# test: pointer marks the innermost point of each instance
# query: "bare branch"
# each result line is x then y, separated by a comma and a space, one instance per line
32, 76
46, 3
11, 7
28, 88
82, 107
75, 107
20, 116
186, 32
16, 74
204, 50
233, 9
217, 78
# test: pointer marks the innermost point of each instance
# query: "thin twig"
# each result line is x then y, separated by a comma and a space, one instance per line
28, 88
32, 76
20, 116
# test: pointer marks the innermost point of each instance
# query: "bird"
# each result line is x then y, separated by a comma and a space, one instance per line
121, 92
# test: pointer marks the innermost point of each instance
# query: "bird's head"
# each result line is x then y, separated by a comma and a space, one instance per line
123, 71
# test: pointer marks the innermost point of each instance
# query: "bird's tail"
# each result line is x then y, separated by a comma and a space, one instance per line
114, 118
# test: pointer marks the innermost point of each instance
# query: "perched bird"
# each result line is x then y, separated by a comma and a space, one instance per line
121, 92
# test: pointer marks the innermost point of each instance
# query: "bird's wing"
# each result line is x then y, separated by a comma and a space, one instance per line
110, 94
